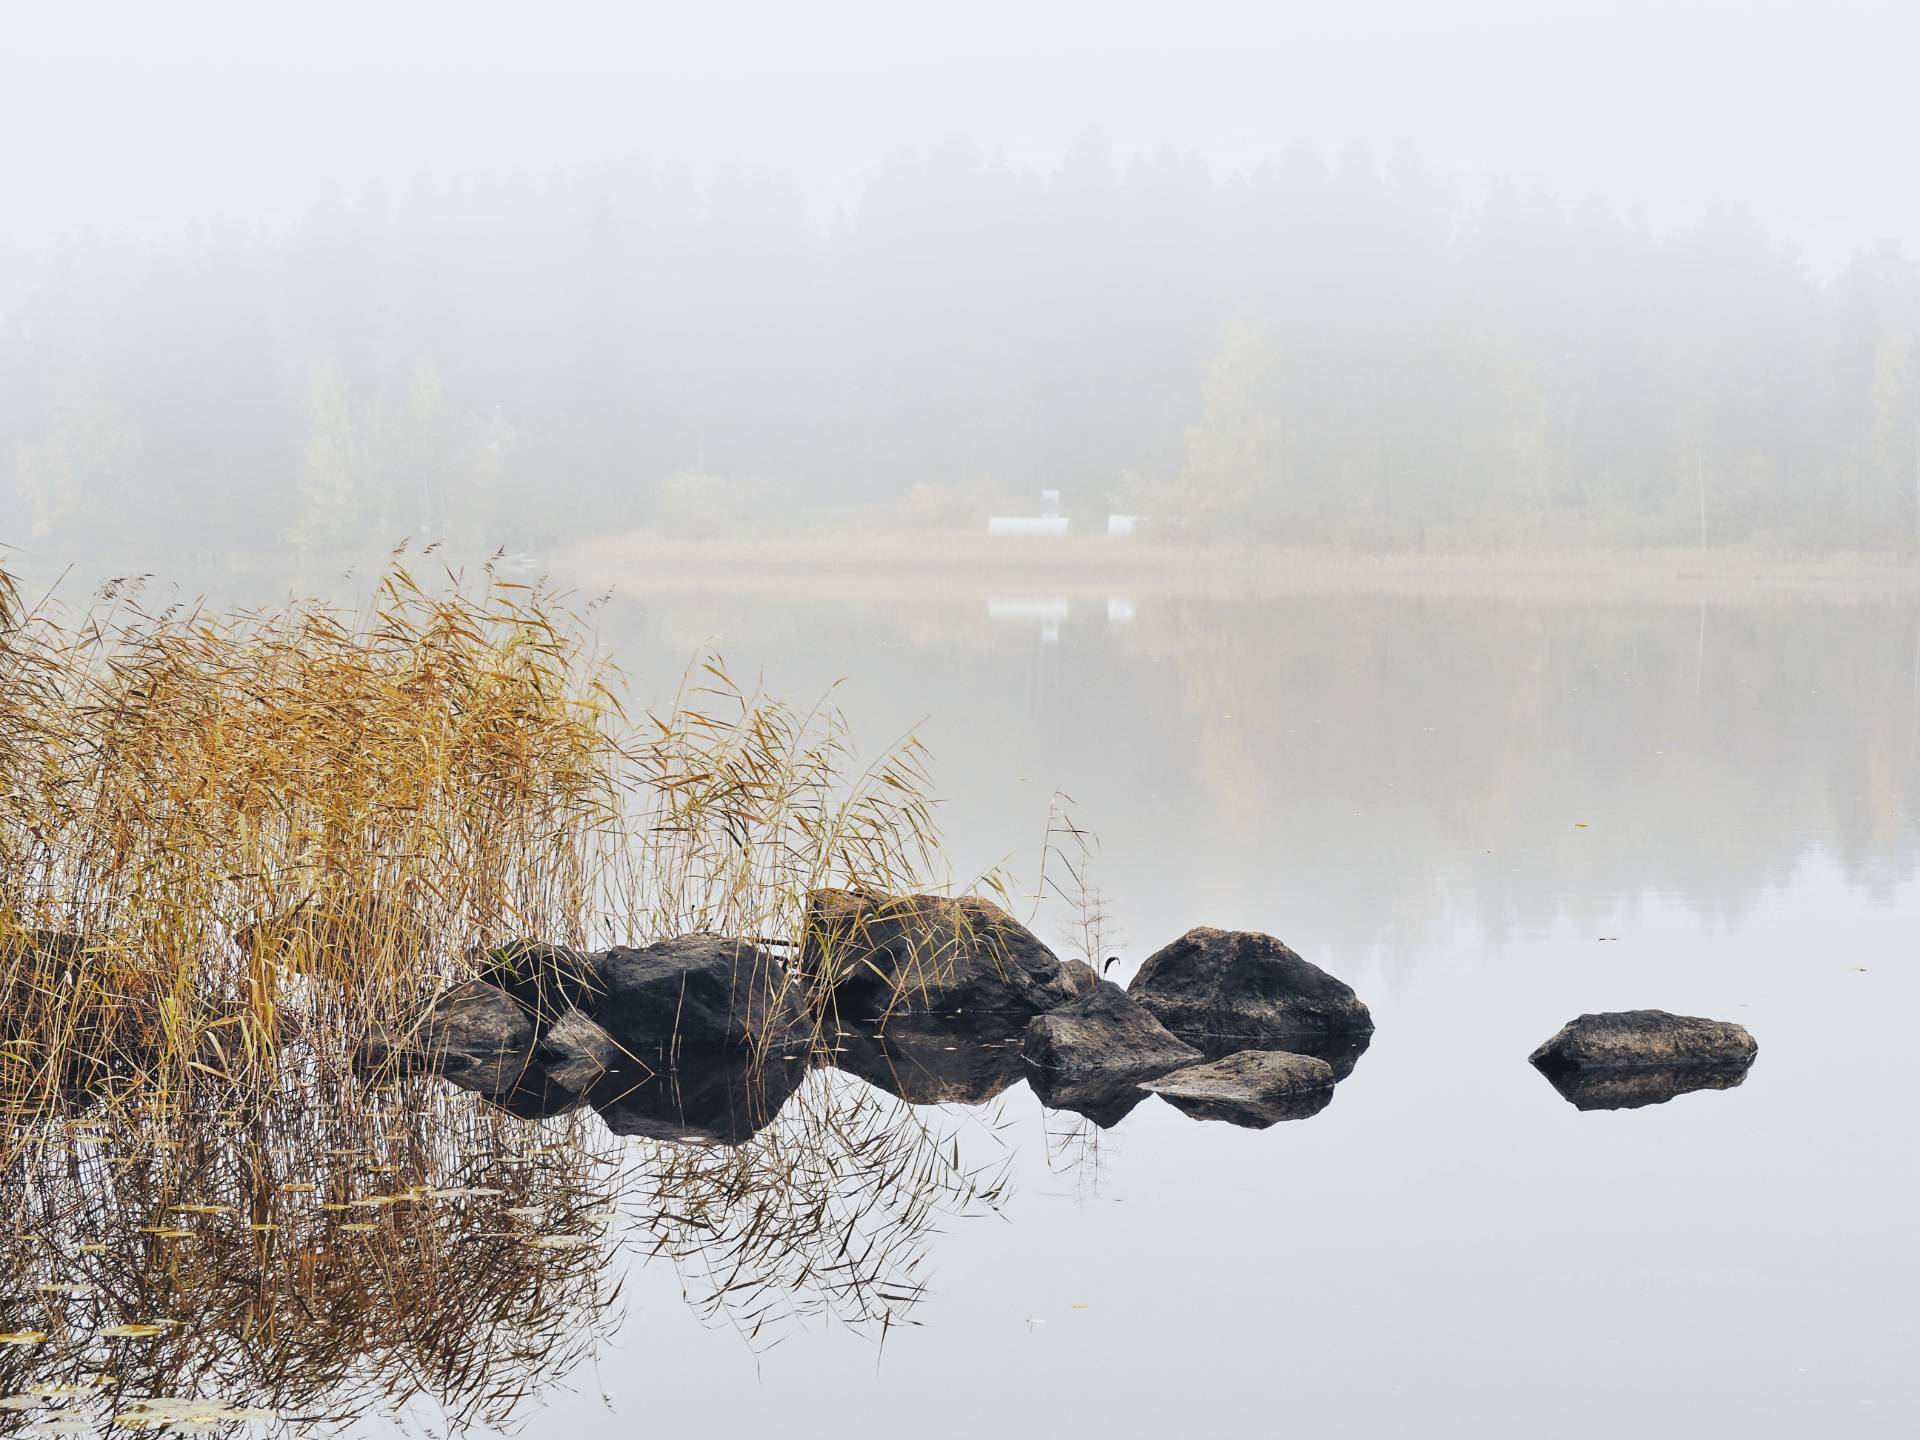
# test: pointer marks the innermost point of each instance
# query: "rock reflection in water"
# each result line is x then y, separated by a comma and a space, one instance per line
414, 1244
1632, 1089
932, 1062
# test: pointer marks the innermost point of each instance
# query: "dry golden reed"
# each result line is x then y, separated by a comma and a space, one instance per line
227, 834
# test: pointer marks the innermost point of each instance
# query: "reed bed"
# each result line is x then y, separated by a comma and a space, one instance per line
232, 844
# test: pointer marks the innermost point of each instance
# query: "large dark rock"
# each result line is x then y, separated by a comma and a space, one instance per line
1218, 984
936, 1063
1254, 1088
1644, 1040
697, 992
874, 956
546, 980
1103, 1033
1632, 1089
475, 1035
716, 1097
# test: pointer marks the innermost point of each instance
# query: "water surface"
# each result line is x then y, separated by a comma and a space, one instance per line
1489, 809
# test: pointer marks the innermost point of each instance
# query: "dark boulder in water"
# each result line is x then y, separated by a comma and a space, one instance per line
874, 956
696, 992
546, 980
476, 1036
1239, 984
1632, 1089
713, 1098
1103, 1034
1254, 1088
936, 1062
1644, 1040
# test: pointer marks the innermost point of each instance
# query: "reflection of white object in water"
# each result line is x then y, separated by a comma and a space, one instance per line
1047, 526
1119, 610
1048, 610
1122, 524
1051, 608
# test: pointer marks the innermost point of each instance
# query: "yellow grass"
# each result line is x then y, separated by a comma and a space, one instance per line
224, 835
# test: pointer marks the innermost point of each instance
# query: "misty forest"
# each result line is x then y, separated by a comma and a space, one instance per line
1345, 352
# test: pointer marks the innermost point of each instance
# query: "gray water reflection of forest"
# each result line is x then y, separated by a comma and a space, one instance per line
1488, 811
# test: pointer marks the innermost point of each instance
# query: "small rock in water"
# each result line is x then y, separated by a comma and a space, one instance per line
1644, 1040
1253, 1088
1104, 1032
575, 1052
1239, 983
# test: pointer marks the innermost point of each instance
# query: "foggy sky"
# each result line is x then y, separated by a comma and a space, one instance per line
141, 118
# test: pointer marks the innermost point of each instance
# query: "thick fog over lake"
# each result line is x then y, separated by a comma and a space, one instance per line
1107, 718
1631, 275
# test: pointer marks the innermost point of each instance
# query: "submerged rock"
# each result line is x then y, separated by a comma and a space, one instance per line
936, 1062
696, 992
1632, 1089
1644, 1040
873, 956
1254, 1088
713, 1098
1103, 1033
1239, 984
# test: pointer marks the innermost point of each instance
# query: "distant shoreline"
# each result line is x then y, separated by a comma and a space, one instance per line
925, 563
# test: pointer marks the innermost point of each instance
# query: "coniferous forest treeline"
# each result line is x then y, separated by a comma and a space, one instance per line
1345, 352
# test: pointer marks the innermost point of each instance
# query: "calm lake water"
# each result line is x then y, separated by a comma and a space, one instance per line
1488, 809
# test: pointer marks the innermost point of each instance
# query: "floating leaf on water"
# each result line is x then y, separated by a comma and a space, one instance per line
187, 1414
559, 1242
23, 1337
63, 1390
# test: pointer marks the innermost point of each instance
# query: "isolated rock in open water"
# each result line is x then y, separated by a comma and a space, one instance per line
1644, 1040
1239, 983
